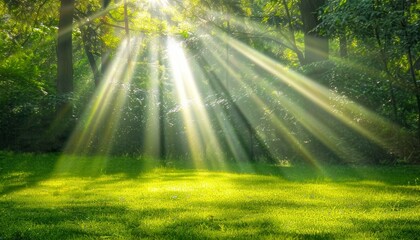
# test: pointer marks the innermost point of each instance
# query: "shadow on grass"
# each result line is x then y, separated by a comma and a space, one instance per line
57, 223
223, 219
20, 171
391, 228
111, 222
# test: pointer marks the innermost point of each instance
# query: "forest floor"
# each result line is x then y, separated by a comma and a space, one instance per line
56, 197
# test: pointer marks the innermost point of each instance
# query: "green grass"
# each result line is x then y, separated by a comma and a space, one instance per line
48, 197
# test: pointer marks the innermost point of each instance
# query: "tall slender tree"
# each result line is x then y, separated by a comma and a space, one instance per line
316, 46
64, 68
64, 48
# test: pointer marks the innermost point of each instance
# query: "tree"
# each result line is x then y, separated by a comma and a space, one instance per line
65, 48
64, 65
92, 32
316, 46
387, 39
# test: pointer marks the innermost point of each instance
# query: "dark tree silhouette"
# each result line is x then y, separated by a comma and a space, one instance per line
316, 46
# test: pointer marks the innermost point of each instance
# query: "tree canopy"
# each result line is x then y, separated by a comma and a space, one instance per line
328, 80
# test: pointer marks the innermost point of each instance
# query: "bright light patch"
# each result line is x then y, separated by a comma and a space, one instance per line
159, 3
257, 104
239, 70
318, 94
153, 128
95, 131
201, 137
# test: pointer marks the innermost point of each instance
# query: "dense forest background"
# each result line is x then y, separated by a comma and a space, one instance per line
333, 80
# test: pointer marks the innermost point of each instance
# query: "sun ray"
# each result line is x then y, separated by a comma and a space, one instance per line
321, 131
314, 125
320, 95
257, 104
152, 131
242, 71
159, 3
230, 134
202, 142
95, 131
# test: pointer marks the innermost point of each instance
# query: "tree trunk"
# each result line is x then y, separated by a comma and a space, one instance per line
316, 46
162, 142
105, 51
89, 53
64, 48
64, 73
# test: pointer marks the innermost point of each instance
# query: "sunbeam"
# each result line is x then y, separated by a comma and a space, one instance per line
153, 128
319, 95
203, 143
256, 104
95, 131
250, 113
200, 119
159, 3
319, 129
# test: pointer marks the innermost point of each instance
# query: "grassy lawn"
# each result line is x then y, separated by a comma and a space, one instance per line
51, 197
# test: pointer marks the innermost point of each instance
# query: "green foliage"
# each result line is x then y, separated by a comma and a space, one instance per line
358, 82
26, 103
375, 74
383, 44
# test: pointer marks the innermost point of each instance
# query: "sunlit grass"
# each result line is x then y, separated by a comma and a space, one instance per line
135, 198
47, 197
68, 196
